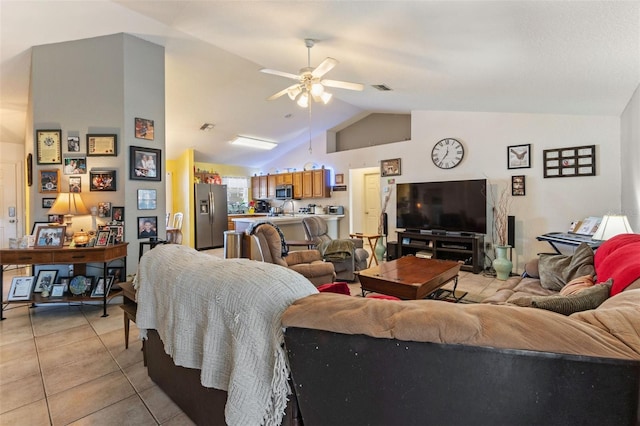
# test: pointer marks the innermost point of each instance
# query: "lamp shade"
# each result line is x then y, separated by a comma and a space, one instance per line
611, 226
69, 203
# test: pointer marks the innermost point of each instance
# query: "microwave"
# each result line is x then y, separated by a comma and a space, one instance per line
335, 210
284, 192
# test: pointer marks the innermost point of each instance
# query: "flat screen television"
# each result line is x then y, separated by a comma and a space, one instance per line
451, 206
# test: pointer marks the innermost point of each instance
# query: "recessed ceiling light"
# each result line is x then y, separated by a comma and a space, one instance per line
207, 127
253, 143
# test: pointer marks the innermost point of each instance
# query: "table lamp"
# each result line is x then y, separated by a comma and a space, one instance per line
68, 204
611, 226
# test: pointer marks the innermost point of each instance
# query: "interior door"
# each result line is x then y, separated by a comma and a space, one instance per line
372, 202
9, 209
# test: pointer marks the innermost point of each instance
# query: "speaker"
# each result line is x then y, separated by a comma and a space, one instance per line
385, 227
511, 231
392, 250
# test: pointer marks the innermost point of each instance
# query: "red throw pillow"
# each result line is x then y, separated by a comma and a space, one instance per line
621, 264
611, 245
382, 296
337, 287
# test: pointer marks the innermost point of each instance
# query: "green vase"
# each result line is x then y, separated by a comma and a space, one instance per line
379, 250
501, 264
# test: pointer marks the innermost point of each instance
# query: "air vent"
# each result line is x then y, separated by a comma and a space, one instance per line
207, 127
381, 87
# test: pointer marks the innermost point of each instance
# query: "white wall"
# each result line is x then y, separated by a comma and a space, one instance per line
630, 153
549, 204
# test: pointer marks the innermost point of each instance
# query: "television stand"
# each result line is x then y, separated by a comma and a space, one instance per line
468, 248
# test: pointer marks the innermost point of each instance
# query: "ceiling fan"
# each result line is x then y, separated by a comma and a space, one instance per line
310, 82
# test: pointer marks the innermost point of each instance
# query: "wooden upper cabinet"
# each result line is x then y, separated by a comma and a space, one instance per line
263, 187
284, 179
321, 183
255, 187
307, 184
271, 186
297, 185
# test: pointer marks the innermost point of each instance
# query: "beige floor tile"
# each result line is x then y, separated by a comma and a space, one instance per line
160, 405
84, 370
17, 368
179, 420
16, 327
114, 341
80, 401
139, 377
70, 353
106, 324
51, 319
130, 411
20, 392
50, 341
17, 350
35, 414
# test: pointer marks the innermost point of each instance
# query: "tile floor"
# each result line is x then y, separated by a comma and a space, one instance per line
63, 364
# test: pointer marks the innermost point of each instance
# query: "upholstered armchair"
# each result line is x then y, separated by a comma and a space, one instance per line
308, 263
316, 230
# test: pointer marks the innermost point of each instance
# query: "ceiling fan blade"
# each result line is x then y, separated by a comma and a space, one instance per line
343, 85
282, 92
280, 73
324, 67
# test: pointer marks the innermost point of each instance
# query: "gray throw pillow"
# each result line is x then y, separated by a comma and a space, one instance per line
589, 298
556, 270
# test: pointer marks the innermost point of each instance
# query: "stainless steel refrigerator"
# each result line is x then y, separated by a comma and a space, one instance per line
211, 215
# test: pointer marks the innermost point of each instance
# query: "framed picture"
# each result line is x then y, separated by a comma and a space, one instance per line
49, 146
21, 288
116, 233
50, 236
117, 273
57, 290
339, 179
64, 282
519, 156
75, 166
144, 129
117, 214
75, 184
46, 278
390, 167
57, 219
36, 225
49, 181
147, 227
102, 145
47, 203
145, 163
102, 180
100, 288
517, 185
147, 199
569, 162
102, 239
104, 209
73, 143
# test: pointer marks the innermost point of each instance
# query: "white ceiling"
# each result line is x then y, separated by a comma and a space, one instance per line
560, 57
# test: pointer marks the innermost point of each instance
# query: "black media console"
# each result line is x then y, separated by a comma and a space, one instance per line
457, 246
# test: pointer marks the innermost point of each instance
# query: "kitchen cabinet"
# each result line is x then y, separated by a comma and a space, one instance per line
321, 183
271, 186
297, 185
259, 187
284, 179
307, 184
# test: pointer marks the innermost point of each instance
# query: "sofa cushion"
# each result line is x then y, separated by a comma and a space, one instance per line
620, 260
557, 270
589, 298
577, 285
339, 287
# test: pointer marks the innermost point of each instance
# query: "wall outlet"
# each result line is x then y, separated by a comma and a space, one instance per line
487, 246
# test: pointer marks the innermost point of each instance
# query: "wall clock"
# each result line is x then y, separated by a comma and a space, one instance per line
447, 153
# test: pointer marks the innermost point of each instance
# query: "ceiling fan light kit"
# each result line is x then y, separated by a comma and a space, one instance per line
310, 83
253, 143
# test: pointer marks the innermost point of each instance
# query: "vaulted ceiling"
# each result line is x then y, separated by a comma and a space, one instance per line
559, 57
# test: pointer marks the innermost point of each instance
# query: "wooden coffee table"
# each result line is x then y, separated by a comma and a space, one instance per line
409, 277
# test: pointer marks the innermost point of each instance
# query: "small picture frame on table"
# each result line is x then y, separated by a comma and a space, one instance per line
519, 156
102, 145
56, 218
57, 290
21, 289
99, 289
50, 236
517, 185
102, 240
46, 278
102, 180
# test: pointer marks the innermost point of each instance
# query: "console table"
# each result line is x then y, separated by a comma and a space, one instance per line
78, 256
466, 248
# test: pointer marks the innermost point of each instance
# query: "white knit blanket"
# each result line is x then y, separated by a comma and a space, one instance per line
223, 317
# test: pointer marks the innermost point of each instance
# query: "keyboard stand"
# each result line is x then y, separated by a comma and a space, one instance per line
554, 238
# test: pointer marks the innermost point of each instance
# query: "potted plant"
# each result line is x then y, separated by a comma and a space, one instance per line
501, 264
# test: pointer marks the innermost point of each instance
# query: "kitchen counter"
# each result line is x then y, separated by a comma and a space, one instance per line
291, 226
